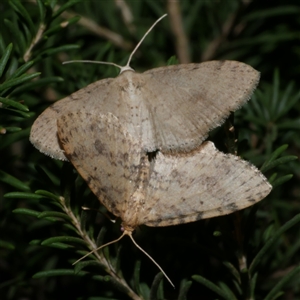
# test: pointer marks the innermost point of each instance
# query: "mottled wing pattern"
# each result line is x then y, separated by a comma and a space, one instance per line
105, 155
171, 108
43, 133
187, 101
203, 184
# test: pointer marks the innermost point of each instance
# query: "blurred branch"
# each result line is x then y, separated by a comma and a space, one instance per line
281, 273
228, 27
182, 48
111, 36
126, 15
211, 49
36, 39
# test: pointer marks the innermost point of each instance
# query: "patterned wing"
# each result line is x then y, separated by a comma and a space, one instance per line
187, 101
204, 184
105, 155
169, 108
43, 133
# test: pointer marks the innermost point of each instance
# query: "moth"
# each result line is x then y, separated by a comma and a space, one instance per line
137, 140
159, 189
170, 109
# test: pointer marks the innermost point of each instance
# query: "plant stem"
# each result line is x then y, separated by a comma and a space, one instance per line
92, 246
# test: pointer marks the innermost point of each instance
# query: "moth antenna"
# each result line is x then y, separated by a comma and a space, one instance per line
93, 62
127, 67
112, 242
160, 268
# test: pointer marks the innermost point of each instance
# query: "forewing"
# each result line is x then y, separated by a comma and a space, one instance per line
204, 184
169, 108
105, 155
43, 133
120, 96
189, 100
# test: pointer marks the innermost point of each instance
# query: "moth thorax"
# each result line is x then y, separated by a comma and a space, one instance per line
132, 83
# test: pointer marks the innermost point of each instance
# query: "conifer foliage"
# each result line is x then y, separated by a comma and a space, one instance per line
251, 254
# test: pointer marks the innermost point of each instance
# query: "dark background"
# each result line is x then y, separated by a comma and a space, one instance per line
264, 238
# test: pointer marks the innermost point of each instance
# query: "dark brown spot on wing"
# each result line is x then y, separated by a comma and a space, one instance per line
99, 146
